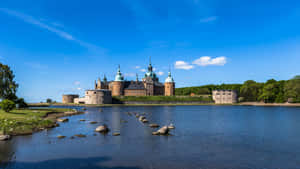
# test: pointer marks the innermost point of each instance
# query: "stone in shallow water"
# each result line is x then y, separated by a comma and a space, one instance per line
93, 122
153, 125
145, 121
155, 133
61, 137
142, 118
63, 120
116, 134
164, 130
4, 137
82, 120
102, 129
171, 126
80, 135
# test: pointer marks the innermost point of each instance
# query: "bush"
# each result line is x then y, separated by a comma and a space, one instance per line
7, 105
21, 103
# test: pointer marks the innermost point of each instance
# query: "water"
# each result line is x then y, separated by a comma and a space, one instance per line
206, 137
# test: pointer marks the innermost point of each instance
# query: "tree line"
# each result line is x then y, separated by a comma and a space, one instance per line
8, 89
271, 91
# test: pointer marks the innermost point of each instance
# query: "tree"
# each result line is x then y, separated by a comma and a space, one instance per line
251, 90
21, 103
8, 87
292, 90
7, 105
296, 77
49, 100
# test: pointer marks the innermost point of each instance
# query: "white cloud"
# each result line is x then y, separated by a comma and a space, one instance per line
143, 70
129, 74
154, 69
47, 26
208, 19
160, 73
207, 60
137, 67
79, 88
76, 83
183, 65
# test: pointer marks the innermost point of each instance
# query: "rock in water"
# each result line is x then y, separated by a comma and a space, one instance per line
93, 122
61, 137
145, 121
171, 126
142, 118
155, 133
4, 137
102, 129
82, 120
63, 120
154, 125
164, 130
80, 135
116, 134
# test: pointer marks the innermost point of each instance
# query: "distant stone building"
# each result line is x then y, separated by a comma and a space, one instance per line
224, 96
95, 97
69, 98
149, 86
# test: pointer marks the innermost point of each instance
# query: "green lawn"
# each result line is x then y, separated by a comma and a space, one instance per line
25, 121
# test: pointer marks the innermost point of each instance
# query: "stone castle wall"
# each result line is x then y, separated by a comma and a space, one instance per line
169, 89
224, 96
69, 98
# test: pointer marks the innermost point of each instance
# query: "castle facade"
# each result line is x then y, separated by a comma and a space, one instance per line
148, 86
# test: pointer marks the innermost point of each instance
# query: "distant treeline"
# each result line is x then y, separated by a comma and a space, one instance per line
161, 98
270, 92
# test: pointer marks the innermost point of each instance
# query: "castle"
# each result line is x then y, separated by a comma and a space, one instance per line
149, 86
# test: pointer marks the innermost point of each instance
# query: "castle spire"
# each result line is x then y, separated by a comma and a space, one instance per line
137, 77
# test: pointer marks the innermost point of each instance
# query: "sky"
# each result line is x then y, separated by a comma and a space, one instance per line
60, 47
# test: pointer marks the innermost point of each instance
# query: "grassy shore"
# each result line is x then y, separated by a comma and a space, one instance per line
26, 121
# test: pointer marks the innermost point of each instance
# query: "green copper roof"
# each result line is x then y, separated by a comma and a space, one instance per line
119, 77
169, 79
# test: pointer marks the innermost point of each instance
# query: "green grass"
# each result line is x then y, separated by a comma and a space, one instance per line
164, 98
25, 121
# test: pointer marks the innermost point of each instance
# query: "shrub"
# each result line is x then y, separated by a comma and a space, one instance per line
21, 103
7, 105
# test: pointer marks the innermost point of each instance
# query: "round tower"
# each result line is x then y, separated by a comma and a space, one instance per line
118, 84
169, 85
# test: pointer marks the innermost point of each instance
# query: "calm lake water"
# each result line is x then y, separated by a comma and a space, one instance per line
207, 137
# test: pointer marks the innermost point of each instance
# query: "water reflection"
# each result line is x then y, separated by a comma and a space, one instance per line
205, 137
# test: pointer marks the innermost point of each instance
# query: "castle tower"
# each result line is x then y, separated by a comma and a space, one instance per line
118, 84
99, 84
169, 85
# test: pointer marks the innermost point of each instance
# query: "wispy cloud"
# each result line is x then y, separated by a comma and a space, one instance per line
143, 70
207, 61
183, 65
208, 19
160, 73
36, 65
76, 83
129, 74
137, 67
51, 27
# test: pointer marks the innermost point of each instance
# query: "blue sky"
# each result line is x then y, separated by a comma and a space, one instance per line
61, 46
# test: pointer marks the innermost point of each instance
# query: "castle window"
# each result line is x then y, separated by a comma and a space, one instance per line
94, 92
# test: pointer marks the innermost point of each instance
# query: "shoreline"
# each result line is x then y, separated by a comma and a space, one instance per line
177, 104
47, 121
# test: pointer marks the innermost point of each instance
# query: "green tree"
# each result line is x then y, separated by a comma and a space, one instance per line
8, 87
7, 105
251, 90
49, 100
292, 89
21, 103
